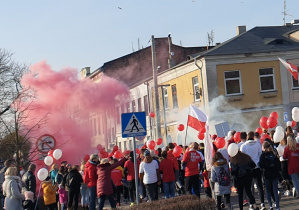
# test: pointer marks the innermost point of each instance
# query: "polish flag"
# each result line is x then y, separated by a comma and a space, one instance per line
196, 119
292, 68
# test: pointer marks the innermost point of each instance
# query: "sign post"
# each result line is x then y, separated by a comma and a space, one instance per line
132, 125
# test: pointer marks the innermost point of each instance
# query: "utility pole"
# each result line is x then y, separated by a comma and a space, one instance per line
156, 93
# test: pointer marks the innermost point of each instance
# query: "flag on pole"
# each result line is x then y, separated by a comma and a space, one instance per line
292, 68
196, 118
208, 150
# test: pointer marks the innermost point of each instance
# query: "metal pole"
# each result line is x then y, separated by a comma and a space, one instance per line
165, 124
187, 127
136, 171
148, 110
158, 124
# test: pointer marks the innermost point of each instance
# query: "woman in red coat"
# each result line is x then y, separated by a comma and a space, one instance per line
104, 183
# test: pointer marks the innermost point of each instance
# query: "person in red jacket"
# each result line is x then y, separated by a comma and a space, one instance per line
117, 175
104, 183
190, 161
167, 170
90, 178
291, 152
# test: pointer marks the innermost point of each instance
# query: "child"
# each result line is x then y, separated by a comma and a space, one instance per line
28, 203
49, 193
62, 197
221, 177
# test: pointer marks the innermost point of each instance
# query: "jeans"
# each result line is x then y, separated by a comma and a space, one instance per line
295, 181
193, 182
272, 187
102, 199
151, 191
169, 189
93, 197
73, 195
240, 184
84, 195
257, 176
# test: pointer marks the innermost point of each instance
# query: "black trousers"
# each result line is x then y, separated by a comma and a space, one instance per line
192, 182
240, 184
73, 195
131, 188
227, 201
285, 174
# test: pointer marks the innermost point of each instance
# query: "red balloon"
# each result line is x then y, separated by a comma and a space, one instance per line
175, 144
117, 154
294, 123
151, 144
202, 130
274, 114
159, 141
201, 136
102, 151
143, 147
50, 153
152, 114
115, 148
220, 142
137, 151
177, 150
127, 152
86, 158
99, 147
156, 152
259, 130
237, 137
265, 136
271, 122
263, 122
105, 154
181, 127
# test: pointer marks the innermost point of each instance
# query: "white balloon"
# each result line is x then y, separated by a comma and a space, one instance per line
279, 128
232, 149
295, 117
42, 174
280, 150
278, 136
289, 123
48, 160
57, 154
295, 111
229, 134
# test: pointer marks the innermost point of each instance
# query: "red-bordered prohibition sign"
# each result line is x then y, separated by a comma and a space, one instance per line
45, 143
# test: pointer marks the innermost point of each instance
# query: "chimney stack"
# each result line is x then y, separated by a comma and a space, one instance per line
241, 30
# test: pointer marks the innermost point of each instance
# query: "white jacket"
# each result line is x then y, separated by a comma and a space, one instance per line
253, 149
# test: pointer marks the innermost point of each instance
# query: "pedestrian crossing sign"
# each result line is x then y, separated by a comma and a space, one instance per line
133, 124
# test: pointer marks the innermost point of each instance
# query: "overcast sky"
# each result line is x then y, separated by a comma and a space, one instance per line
84, 33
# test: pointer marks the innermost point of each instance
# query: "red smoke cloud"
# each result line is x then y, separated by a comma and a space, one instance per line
69, 102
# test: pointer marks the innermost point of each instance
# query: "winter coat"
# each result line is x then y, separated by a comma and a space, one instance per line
270, 165
62, 195
215, 175
74, 180
29, 182
117, 176
104, 184
90, 174
171, 157
12, 190
53, 174
49, 192
240, 170
28, 205
293, 158
253, 149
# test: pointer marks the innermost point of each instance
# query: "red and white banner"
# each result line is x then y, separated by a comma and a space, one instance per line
292, 68
196, 118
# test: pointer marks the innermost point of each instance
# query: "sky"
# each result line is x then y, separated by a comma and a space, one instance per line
78, 34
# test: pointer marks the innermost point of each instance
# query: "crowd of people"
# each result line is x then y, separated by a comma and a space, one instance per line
262, 165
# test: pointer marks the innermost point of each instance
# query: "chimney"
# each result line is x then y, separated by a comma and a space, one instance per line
85, 72
171, 61
241, 30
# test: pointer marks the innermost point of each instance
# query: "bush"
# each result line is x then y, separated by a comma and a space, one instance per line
190, 202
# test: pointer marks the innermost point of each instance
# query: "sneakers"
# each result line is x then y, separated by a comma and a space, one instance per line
233, 189
263, 206
294, 192
117, 204
274, 205
132, 204
287, 193
251, 207
245, 203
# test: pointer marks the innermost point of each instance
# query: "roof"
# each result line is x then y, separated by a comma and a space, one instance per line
262, 39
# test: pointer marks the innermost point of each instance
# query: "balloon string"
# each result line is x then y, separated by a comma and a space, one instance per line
38, 195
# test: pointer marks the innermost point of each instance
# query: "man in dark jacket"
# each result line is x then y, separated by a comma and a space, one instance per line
90, 178
29, 179
73, 182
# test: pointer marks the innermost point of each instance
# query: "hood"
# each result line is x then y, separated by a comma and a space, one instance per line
118, 168
46, 183
220, 162
90, 164
251, 142
103, 166
17, 178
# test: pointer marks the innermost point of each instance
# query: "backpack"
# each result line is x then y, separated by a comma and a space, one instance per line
223, 177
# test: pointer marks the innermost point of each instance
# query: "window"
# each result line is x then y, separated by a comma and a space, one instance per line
295, 82
128, 107
139, 104
145, 104
123, 108
99, 126
133, 106
232, 81
165, 98
119, 145
94, 127
174, 96
118, 114
196, 91
267, 79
